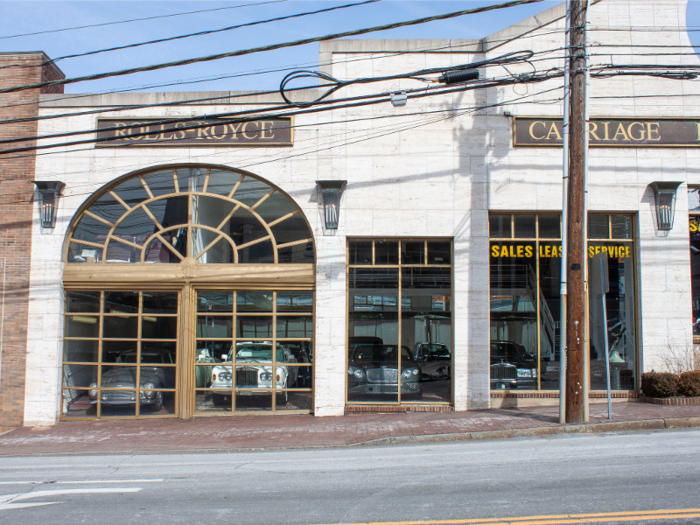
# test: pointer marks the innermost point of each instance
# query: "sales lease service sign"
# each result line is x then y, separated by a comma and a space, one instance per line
611, 132
276, 131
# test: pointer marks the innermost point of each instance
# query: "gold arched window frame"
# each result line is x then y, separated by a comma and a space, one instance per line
190, 225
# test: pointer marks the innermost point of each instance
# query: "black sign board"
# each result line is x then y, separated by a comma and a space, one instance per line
276, 131
611, 132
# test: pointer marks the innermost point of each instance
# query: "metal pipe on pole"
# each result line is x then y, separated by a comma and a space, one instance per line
564, 219
576, 219
587, 317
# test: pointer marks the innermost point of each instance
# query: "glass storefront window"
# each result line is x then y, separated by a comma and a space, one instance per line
694, 227
525, 301
120, 354
260, 359
400, 321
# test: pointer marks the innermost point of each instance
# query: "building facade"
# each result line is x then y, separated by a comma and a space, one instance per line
192, 271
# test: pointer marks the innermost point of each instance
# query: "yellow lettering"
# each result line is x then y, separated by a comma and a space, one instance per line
263, 129
162, 135
131, 128
520, 251
147, 130
555, 130
591, 251
627, 251
234, 130
697, 124
504, 251
202, 131
592, 128
642, 133
528, 251
548, 251
542, 251
621, 130
180, 134
607, 130
213, 132
532, 131
656, 131
245, 133
118, 133
494, 251
693, 225
597, 249
512, 253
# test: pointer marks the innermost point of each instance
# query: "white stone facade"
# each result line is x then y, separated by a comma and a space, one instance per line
419, 175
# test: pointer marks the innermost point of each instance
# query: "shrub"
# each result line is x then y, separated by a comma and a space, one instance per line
659, 384
689, 384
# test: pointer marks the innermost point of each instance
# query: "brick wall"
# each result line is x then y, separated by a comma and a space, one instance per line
16, 215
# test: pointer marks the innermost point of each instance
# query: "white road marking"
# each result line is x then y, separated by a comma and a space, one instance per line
81, 482
10, 501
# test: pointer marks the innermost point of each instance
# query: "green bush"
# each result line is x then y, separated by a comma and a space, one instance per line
659, 384
689, 384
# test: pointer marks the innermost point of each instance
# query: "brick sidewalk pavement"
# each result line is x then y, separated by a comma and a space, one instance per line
256, 432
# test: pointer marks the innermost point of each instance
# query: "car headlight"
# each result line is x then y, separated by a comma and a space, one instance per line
357, 372
524, 372
93, 390
148, 386
534, 372
406, 374
266, 376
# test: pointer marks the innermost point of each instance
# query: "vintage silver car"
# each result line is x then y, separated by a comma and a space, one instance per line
374, 369
256, 374
153, 378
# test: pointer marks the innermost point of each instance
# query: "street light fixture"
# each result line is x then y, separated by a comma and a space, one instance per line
49, 192
331, 191
665, 202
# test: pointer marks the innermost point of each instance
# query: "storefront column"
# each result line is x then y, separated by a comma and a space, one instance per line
331, 325
665, 299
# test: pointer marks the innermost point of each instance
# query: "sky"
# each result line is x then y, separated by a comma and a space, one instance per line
241, 73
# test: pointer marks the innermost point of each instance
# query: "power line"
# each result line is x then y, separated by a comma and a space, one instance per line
345, 103
271, 47
140, 19
508, 58
209, 32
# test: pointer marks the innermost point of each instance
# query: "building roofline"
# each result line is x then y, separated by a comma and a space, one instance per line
44, 58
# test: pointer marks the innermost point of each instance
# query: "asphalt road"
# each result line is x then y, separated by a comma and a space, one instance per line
567, 474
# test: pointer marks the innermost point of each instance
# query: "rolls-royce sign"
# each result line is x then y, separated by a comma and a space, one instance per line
276, 131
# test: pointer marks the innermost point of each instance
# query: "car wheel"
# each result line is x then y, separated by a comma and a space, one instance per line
219, 400
157, 405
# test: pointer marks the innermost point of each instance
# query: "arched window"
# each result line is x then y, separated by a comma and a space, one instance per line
209, 215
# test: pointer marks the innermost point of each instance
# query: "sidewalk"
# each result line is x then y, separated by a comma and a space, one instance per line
304, 431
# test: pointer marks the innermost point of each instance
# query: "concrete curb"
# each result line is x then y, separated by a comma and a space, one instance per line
588, 428
487, 435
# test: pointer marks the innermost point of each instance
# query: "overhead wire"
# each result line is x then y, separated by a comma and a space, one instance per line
156, 17
209, 32
270, 47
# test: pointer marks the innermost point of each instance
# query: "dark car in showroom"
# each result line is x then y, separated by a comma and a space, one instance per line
434, 360
512, 367
153, 378
374, 369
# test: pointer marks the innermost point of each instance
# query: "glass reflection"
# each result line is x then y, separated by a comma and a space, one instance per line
215, 301
550, 314
619, 303
160, 303
158, 327
254, 327
513, 315
82, 326
254, 301
214, 326
80, 351
76, 404
79, 375
694, 228
117, 327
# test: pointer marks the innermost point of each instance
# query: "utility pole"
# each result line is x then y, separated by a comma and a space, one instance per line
576, 220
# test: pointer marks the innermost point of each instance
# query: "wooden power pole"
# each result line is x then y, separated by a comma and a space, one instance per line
575, 245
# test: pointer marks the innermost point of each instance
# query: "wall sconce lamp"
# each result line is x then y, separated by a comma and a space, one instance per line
49, 191
665, 201
331, 191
